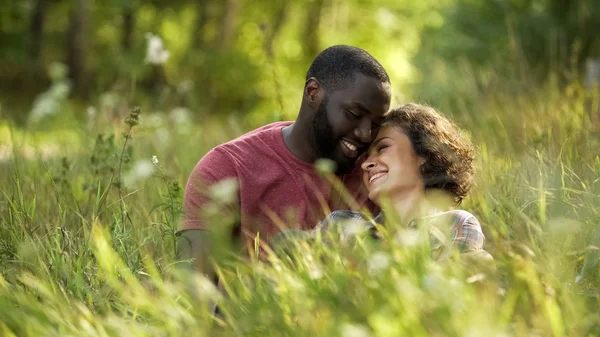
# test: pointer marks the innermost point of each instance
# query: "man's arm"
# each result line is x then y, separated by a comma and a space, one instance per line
193, 250
204, 210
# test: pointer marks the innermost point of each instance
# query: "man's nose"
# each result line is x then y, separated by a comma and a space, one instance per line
363, 131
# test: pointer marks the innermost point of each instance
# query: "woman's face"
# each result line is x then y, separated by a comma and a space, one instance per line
392, 166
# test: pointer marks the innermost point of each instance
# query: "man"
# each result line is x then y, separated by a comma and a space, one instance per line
346, 94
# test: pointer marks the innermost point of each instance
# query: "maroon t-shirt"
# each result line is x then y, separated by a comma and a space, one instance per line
276, 190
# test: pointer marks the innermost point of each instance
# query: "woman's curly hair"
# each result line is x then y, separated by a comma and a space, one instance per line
447, 152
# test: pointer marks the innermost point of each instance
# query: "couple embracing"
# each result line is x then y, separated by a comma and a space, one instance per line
398, 156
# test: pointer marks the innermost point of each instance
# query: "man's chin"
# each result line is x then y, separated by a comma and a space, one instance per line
344, 166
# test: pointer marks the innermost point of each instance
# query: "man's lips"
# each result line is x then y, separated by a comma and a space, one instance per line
352, 148
349, 145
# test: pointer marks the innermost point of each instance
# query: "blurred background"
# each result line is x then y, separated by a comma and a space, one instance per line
218, 58
521, 77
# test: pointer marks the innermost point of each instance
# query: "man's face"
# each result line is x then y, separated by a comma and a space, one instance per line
347, 119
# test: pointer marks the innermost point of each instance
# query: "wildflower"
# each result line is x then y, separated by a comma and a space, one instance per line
354, 330
181, 115
154, 160
163, 137
134, 117
185, 86
141, 170
91, 112
476, 278
315, 272
325, 166
205, 289
408, 237
378, 262
225, 191
155, 53
386, 18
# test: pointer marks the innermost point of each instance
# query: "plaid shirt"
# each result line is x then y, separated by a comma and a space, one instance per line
465, 231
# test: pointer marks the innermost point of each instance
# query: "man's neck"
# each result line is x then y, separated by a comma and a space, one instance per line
296, 138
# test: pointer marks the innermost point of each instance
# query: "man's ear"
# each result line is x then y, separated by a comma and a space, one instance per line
313, 92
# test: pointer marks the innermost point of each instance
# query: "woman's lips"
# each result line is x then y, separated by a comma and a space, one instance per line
377, 176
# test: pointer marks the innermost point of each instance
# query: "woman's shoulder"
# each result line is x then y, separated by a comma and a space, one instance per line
456, 217
339, 216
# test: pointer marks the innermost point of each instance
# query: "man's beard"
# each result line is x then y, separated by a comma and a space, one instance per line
325, 139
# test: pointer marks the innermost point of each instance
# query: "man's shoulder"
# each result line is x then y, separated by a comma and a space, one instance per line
244, 146
259, 133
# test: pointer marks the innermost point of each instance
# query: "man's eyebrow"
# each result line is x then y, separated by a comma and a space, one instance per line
375, 143
361, 107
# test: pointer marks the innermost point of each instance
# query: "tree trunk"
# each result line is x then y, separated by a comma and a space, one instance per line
200, 25
229, 23
77, 45
128, 27
592, 82
37, 29
271, 36
311, 28
280, 17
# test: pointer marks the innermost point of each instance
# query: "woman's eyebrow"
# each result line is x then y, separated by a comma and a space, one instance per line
377, 141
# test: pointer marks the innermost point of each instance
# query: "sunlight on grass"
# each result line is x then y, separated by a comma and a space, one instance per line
84, 254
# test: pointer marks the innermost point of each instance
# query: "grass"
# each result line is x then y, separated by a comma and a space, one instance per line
86, 251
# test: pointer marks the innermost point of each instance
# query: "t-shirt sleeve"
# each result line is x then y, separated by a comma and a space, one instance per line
202, 193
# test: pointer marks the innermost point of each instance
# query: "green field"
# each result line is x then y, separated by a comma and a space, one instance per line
72, 263
91, 193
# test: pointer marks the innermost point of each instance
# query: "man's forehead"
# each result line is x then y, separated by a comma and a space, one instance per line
366, 97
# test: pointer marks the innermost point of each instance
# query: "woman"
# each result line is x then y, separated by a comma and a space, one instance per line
417, 154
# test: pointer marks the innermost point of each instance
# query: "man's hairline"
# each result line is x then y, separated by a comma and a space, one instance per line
351, 81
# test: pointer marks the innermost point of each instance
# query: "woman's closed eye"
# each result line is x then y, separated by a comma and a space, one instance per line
382, 147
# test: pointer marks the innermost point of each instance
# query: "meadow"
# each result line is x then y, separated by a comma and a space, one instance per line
105, 108
89, 209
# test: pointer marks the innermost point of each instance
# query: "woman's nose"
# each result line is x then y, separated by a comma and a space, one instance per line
368, 164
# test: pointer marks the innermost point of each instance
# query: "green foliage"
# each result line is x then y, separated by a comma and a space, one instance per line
481, 42
74, 263
90, 194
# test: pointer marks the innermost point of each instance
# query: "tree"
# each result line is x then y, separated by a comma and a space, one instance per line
78, 35
38, 19
311, 29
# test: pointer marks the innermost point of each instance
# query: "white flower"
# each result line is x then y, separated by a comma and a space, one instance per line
181, 115
185, 86
91, 112
205, 289
315, 272
386, 18
378, 262
408, 237
354, 330
141, 170
155, 53
225, 191
163, 137
154, 160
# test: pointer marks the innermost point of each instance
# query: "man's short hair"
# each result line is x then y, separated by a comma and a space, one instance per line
336, 66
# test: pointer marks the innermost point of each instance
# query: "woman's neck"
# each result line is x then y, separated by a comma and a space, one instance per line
409, 204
